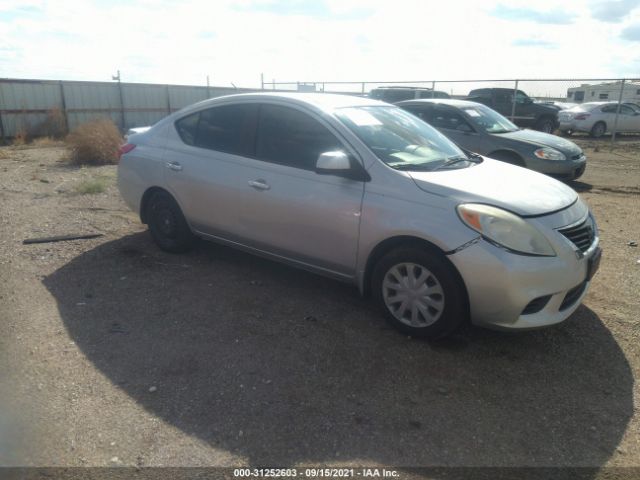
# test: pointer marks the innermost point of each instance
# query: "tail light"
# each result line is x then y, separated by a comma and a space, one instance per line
582, 116
126, 148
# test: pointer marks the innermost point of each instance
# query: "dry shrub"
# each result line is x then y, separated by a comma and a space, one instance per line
95, 143
21, 137
55, 125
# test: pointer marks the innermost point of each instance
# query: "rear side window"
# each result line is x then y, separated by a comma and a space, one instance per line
187, 128
290, 137
424, 113
227, 128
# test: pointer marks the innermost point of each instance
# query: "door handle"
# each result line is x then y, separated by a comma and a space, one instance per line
259, 184
175, 166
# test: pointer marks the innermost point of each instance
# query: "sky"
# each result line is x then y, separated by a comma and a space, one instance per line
235, 41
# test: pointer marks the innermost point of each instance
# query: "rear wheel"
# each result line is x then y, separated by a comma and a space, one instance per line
546, 125
419, 292
598, 130
167, 224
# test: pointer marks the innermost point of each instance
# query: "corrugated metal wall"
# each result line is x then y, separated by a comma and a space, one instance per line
25, 104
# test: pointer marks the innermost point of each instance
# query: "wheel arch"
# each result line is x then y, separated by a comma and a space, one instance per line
389, 244
508, 153
145, 199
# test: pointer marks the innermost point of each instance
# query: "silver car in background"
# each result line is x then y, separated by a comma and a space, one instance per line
598, 119
365, 192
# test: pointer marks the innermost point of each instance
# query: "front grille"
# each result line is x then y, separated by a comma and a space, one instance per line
581, 235
535, 305
572, 296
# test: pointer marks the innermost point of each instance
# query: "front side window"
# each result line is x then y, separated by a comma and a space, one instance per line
488, 119
401, 140
422, 112
293, 138
450, 120
521, 98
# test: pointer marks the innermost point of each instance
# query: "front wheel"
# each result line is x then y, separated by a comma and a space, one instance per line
598, 130
419, 292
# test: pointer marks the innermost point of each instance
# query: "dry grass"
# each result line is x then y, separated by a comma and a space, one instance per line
46, 142
55, 125
92, 186
95, 143
4, 154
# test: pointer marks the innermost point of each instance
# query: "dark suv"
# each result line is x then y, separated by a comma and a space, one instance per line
527, 113
398, 94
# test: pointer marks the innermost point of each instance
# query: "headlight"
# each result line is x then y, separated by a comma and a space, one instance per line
505, 229
548, 153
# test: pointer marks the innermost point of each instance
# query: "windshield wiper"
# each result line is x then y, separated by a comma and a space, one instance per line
412, 166
472, 157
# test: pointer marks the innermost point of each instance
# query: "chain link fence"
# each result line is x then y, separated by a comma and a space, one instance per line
513, 98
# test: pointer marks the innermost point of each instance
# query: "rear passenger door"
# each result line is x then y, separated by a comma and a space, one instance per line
296, 213
208, 163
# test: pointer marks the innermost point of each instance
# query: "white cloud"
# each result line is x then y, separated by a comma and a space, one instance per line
173, 41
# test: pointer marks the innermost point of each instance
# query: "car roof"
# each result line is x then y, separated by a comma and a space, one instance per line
453, 102
400, 87
322, 101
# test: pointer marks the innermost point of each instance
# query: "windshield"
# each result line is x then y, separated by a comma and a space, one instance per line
489, 120
401, 140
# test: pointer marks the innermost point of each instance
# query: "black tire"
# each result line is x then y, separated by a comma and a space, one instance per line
454, 311
546, 125
507, 157
598, 130
167, 224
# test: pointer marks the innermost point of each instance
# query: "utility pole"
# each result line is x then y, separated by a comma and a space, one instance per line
117, 77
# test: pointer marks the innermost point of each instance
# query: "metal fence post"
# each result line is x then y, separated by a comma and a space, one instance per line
615, 120
63, 102
433, 89
169, 100
3, 140
262, 81
363, 88
513, 101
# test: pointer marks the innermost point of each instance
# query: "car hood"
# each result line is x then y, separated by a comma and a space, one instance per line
541, 139
491, 182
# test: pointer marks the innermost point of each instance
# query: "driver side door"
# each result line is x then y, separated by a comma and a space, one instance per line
296, 213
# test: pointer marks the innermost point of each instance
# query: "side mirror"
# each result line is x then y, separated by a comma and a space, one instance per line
340, 164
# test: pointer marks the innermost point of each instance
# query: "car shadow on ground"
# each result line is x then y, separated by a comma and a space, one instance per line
579, 186
280, 366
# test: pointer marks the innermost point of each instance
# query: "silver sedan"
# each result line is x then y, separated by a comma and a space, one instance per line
599, 118
366, 193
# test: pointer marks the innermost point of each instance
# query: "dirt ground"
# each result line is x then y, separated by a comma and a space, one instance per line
115, 353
